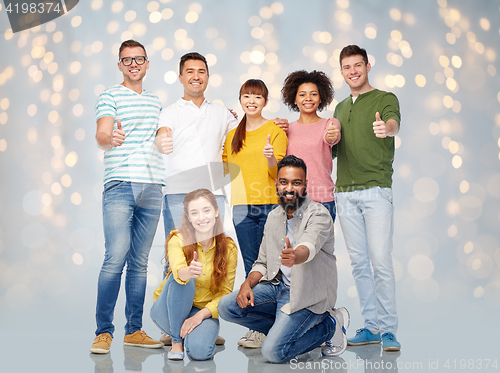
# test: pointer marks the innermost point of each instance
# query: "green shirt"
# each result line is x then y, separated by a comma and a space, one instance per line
364, 160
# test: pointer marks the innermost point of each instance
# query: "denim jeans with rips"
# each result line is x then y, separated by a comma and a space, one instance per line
287, 335
131, 212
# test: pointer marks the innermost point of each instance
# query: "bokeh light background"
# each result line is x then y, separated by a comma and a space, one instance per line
440, 58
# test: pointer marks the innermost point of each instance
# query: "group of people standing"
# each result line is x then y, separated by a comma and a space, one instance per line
283, 209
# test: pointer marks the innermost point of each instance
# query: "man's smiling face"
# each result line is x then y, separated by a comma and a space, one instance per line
194, 78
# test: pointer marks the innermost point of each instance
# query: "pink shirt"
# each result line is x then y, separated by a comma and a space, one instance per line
307, 141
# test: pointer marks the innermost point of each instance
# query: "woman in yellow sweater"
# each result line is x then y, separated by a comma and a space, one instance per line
202, 266
252, 151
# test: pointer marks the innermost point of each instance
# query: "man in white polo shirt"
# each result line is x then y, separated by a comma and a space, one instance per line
191, 134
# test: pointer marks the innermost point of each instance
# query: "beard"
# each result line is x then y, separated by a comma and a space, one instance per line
292, 207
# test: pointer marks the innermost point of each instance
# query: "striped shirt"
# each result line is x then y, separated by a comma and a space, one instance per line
137, 159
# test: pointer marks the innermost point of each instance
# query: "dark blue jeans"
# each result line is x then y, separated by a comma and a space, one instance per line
287, 335
330, 206
249, 221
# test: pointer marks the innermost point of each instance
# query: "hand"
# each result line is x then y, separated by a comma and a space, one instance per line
189, 324
332, 132
166, 143
380, 128
245, 296
288, 254
118, 136
268, 148
283, 123
234, 113
195, 268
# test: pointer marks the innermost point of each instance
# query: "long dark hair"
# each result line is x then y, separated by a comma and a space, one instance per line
252, 86
187, 233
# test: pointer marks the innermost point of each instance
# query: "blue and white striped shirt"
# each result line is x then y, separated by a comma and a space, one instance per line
137, 159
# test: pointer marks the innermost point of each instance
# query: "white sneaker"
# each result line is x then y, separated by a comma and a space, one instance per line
338, 343
255, 340
244, 338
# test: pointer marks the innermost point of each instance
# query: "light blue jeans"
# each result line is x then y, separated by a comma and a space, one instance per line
173, 307
130, 216
367, 220
173, 210
286, 335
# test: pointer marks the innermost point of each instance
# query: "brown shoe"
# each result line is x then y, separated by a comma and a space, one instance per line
101, 344
220, 341
166, 340
141, 339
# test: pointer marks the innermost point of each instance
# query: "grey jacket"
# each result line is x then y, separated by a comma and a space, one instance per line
313, 284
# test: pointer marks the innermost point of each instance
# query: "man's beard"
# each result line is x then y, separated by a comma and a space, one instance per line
292, 207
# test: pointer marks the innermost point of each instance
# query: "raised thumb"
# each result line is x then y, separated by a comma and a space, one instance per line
287, 240
268, 140
377, 116
195, 256
119, 124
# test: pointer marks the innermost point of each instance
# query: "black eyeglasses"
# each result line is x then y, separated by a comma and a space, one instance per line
127, 61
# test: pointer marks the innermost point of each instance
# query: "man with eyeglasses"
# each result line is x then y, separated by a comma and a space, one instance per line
127, 118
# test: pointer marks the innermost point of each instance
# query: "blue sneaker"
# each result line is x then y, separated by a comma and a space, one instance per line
337, 345
363, 337
390, 343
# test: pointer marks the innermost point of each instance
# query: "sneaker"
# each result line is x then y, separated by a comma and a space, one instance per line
141, 339
255, 340
166, 340
363, 337
390, 343
244, 338
101, 344
338, 343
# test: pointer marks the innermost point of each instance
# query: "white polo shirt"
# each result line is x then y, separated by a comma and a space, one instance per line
198, 135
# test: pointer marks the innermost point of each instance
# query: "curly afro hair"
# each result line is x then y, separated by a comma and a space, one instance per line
297, 78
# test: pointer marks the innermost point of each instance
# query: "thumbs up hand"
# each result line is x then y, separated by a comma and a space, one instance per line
332, 132
166, 143
380, 128
118, 136
288, 254
268, 148
195, 268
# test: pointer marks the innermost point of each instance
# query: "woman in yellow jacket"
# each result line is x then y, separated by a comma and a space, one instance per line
252, 151
202, 266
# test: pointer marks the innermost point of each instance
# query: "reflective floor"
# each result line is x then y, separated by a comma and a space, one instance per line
433, 340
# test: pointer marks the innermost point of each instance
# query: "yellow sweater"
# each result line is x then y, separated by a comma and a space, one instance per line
252, 181
203, 296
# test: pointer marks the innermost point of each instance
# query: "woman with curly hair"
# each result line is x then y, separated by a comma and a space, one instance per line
202, 267
312, 137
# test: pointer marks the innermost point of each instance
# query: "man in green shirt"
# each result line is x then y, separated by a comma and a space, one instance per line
369, 119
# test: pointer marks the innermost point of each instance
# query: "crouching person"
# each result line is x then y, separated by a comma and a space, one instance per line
202, 267
289, 295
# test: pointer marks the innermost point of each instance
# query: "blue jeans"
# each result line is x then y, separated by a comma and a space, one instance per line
173, 210
173, 307
130, 216
286, 335
330, 206
249, 221
367, 221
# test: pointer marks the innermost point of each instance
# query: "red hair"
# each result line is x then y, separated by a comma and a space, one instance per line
187, 234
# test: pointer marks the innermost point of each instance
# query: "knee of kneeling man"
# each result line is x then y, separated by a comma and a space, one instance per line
268, 350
